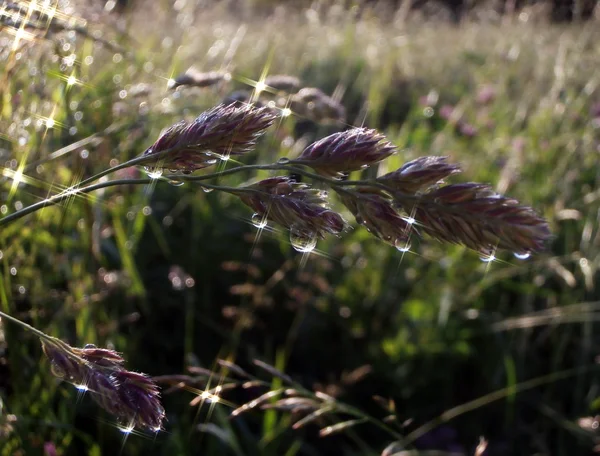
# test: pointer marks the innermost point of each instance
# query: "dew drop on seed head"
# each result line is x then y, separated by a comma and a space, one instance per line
487, 258
402, 245
303, 242
283, 161
522, 255
154, 173
258, 220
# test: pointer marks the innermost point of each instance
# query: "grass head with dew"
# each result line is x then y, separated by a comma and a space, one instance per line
380, 175
393, 208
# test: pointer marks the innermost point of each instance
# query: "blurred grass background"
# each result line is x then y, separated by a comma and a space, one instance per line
174, 277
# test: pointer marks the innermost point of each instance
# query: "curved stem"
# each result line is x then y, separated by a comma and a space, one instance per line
53, 200
81, 188
27, 327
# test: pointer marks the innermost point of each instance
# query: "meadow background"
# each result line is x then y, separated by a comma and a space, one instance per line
176, 279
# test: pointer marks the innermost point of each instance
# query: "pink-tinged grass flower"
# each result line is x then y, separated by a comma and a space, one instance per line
130, 396
374, 210
419, 174
473, 215
293, 205
217, 133
346, 151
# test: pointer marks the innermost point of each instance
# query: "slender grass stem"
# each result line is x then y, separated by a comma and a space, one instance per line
27, 327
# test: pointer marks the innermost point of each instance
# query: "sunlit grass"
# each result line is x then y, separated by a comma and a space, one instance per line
421, 315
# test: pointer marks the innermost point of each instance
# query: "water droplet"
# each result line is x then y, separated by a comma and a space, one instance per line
176, 183
302, 241
283, 161
403, 245
409, 220
126, 430
154, 173
487, 258
207, 189
259, 221
211, 161
57, 371
522, 256
364, 166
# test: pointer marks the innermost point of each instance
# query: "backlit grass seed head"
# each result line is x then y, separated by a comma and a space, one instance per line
373, 210
294, 205
347, 151
419, 174
473, 215
130, 396
193, 77
283, 83
221, 131
314, 104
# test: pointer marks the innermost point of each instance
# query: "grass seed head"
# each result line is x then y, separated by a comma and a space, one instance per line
346, 151
132, 397
221, 131
294, 205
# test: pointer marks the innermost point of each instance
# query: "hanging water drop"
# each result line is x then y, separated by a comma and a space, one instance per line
211, 161
176, 183
402, 245
154, 173
487, 258
522, 255
207, 189
302, 241
283, 161
259, 221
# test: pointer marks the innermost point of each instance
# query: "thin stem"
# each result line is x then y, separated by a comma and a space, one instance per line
53, 200
127, 164
27, 327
